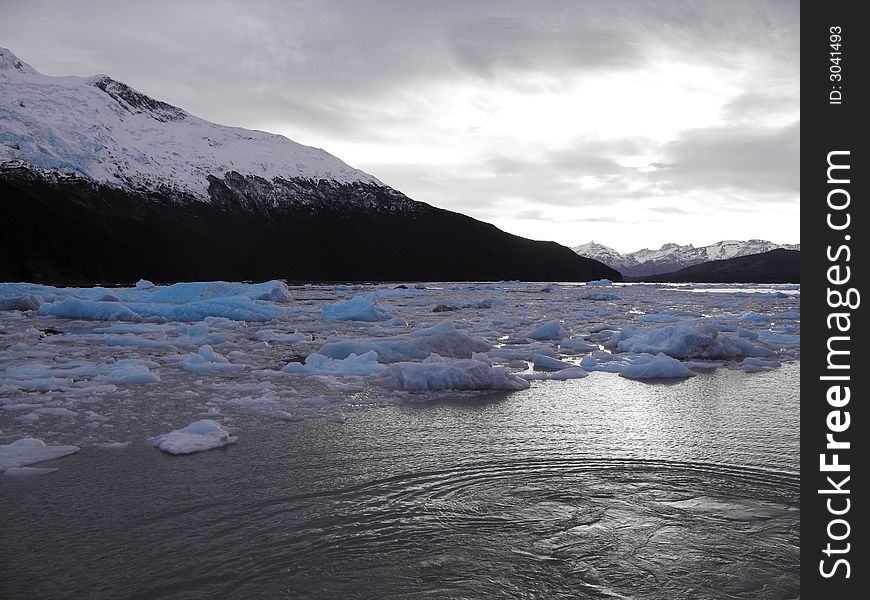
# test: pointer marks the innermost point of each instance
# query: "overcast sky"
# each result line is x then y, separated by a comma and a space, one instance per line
630, 123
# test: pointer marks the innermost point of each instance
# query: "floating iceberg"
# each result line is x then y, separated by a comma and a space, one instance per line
196, 437
687, 339
541, 361
131, 371
438, 373
551, 330
22, 302
359, 308
270, 335
577, 346
573, 372
318, 364
27, 451
660, 366
88, 310
208, 361
442, 339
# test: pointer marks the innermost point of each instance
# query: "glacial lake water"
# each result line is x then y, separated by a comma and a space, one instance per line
344, 485
578, 489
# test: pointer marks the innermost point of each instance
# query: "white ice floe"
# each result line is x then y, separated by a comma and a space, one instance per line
520, 351
199, 436
88, 310
318, 364
592, 364
575, 345
131, 371
551, 330
438, 373
543, 362
80, 375
601, 282
177, 302
360, 308
757, 365
28, 451
27, 471
22, 302
55, 411
206, 360
442, 339
573, 372
270, 335
687, 339
649, 318
660, 366
600, 296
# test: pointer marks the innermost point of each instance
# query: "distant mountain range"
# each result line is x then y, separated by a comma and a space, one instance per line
673, 257
776, 266
101, 183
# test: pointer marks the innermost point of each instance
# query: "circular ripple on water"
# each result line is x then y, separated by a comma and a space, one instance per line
545, 528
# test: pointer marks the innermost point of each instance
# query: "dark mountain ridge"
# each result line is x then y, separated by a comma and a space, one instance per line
776, 266
66, 229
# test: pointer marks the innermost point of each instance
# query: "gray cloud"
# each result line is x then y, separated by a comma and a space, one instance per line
751, 159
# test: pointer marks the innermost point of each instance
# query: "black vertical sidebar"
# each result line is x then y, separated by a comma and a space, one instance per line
834, 263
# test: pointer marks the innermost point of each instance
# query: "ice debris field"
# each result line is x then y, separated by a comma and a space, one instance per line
188, 367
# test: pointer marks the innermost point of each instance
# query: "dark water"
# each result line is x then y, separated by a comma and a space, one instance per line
593, 488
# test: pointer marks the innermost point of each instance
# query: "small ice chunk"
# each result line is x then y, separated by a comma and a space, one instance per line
22, 302
686, 339
442, 339
27, 471
89, 310
27, 451
573, 372
551, 330
653, 318
251, 402
539, 361
437, 373
757, 365
199, 436
568, 345
144, 284
600, 296
270, 335
359, 308
131, 371
659, 366
336, 417
285, 416
599, 282
318, 364
56, 411
208, 361
113, 445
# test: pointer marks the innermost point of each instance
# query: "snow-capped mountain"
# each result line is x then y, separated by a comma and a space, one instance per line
102, 183
672, 257
107, 131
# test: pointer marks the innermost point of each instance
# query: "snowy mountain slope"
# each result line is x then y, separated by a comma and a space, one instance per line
672, 257
101, 183
109, 132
